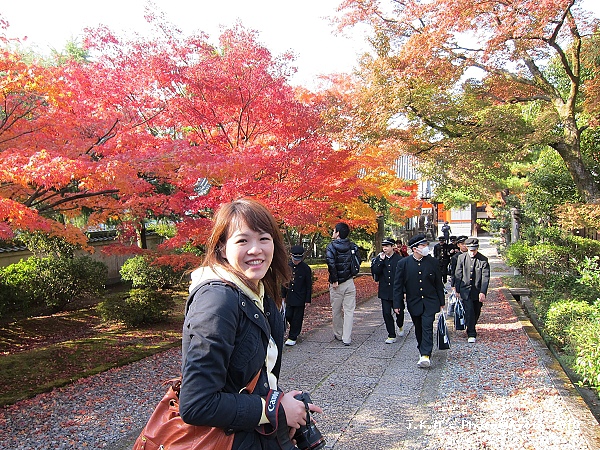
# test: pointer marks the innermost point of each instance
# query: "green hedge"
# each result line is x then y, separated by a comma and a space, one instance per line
543, 258
564, 315
586, 340
51, 281
144, 274
566, 269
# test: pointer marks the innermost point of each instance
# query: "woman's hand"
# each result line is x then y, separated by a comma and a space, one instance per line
295, 412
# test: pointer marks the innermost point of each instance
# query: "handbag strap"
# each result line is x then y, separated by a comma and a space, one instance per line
250, 387
176, 384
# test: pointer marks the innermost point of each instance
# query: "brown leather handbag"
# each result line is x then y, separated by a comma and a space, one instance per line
166, 430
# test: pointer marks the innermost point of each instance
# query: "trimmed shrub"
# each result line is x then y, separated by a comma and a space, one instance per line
517, 254
137, 307
586, 340
563, 315
543, 258
580, 247
18, 278
548, 258
53, 282
143, 274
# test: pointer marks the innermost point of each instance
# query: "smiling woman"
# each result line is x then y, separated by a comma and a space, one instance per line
233, 332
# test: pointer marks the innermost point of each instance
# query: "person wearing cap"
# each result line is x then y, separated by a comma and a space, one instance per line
460, 245
446, 230
342, 291
472, 280
383, 268
441, 251
297, 294
419, 280
453, 247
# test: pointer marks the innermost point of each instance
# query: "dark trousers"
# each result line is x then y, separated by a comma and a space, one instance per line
472, 313
388, 317
424, 332
294, 315
444, 269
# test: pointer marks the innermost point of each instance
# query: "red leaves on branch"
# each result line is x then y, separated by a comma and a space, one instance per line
168, 127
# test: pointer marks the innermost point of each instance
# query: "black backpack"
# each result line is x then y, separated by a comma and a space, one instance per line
354, 261
374, 275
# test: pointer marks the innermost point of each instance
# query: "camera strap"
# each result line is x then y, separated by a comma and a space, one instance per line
277, 426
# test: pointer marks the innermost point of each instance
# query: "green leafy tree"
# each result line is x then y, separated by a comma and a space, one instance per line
461, 76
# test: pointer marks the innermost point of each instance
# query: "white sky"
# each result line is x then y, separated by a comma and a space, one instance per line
301, 26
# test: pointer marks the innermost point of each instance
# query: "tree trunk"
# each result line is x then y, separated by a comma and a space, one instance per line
379, 236
141, 235
570, 151
587, 188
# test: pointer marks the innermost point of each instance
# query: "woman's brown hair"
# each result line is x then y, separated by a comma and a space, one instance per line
258, 218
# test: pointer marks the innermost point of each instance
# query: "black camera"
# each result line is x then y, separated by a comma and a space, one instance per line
308, 437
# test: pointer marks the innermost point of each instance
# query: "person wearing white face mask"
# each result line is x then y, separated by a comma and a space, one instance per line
418, 282
472, 278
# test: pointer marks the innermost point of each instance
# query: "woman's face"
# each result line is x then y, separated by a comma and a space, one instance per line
249, 252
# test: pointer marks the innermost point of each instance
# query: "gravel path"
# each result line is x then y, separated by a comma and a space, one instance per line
94, 412
495, 394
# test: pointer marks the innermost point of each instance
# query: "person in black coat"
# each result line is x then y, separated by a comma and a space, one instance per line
383, 268
462, 248
441, 251
418, 278
233, 330
453, 248
342, 291
297, 294
472, 280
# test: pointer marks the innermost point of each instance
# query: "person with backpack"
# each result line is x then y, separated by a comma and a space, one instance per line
383, 269
342, 256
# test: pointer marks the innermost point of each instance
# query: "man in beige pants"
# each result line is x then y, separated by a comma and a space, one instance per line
342, 292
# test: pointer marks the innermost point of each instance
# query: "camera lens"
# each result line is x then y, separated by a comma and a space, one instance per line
308, 437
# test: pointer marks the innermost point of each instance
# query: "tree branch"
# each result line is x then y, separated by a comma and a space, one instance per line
78, 196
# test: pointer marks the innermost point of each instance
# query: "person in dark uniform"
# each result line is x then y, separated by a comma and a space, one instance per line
472, 280
418, 278
453, 249
462, 248
298, 294
441, 251
446, 230
383, 268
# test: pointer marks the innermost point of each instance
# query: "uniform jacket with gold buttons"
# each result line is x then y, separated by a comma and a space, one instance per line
385, 269
421, 282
